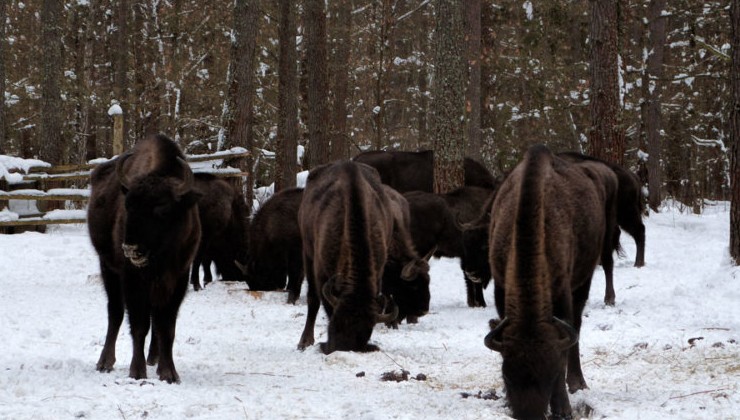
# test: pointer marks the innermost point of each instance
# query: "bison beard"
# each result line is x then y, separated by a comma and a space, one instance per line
144, 225
550, 223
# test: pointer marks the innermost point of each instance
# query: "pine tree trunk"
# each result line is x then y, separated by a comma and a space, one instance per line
120, 60
287, 129
448, 107
3, 139
473, 97
654, 122
52, 148
735, 134
318, 86
342, 22
607, 139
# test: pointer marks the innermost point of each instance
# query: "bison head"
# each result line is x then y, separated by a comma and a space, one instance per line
409, 287
534, 359
156, 207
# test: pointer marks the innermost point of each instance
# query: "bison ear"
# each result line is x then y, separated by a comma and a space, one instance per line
190, 198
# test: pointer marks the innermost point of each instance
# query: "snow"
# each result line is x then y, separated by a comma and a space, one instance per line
10, 163
115, 109
237, 358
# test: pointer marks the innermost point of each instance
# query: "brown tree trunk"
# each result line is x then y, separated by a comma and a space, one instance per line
606, 136
318, 87
653, 121
341, 43
735, 135
448, 107
52, 148
287, 129
89, 80
120, 57
242, 87
3, 140
473, 96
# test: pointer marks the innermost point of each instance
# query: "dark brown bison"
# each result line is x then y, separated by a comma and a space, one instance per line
413, 171
630, 203
275, 248
224, 222
551, 222
347, 228
144, 225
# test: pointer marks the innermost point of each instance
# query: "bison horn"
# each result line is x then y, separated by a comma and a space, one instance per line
327, 291
572, 334
188, 179
382, 317
415, 267
493, 339
241, 267
122, 179
429, 254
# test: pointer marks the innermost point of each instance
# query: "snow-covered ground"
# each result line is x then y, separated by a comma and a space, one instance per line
667, 350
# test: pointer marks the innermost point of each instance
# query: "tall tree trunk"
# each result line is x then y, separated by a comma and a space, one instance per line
3, 52
89, 80
341, 42
120, 60
653, 121
606, 136
241, 90
448, 107
735, 134
287, 129
318, 87
52, 148
473, 96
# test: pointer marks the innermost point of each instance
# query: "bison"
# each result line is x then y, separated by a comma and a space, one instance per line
347, 227
275, 248
414, 171
143, 222
551, 221
224, 222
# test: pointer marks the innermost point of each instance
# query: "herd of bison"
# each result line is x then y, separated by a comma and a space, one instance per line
362, 232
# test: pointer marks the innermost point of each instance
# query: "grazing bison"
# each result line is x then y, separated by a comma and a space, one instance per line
275, 245
551, 222
347, 228
413, 171
144, 225
224, 222
630, 203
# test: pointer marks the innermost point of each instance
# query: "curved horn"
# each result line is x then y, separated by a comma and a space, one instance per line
493, 339
241, 267
122, 179
382, 317
572, 334
188, 180
429, 254
326, 290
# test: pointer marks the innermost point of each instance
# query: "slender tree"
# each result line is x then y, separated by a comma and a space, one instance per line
652, 106
606, 136
287, 129
473, 95
341, 19
3, 52
448, 108
314, 22
242, 87
52, 147
735, 134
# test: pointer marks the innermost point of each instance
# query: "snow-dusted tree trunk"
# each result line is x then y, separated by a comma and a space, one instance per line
51, 147
341, 20
735, 134
3, 140
473, 98
652, 111
287, 127
318, 85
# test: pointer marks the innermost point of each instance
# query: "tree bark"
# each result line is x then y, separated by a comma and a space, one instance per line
735, 134
318, 90
52, 147
652, 104
341, 43
242, 87
473, 96
606, 136
448, 107
3, 52
120, 57
287, 129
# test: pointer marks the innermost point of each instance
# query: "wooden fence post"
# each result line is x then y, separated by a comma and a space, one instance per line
116, 112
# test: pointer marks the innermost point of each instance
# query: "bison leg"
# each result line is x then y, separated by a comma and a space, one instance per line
607, 263
575, 378
639, 235
164, 321
112, 283
153, 357
207, 275
139, 318
559, 401
314, 302
195, 274
295, 279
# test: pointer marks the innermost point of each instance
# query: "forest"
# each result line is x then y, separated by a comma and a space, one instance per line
359, 75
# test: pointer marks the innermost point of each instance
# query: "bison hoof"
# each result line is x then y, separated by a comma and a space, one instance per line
104, 367
305, 344
576, 384
197, 287
292, 298
168, 375
609, 301
152, 360
137, 373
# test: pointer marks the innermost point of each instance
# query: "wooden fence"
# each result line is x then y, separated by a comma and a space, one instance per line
43, 178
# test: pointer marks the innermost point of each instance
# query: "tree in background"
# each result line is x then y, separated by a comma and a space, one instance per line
448, 107
341, 42
314, 23
606, 134
735, 134
2, 76
242, 87
287, 126
52, 147
473, 95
